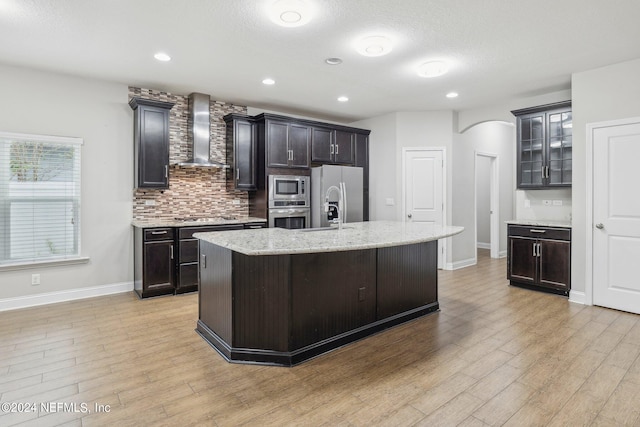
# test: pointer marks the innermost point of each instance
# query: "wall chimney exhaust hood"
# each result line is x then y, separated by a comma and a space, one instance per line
199, 133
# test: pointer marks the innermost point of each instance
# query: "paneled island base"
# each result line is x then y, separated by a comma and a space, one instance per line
283, 309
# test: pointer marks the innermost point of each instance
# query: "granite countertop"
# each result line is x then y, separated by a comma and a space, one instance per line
540, 223
153, 223
353, 236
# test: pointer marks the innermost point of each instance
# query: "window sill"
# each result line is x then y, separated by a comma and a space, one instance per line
45, 263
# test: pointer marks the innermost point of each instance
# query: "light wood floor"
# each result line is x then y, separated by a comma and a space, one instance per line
493, 355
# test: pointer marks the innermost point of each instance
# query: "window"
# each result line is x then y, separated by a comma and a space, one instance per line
39, 198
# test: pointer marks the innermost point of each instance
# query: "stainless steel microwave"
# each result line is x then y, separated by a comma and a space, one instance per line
288, 191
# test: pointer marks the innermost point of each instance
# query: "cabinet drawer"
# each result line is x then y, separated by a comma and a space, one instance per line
158, 234
188, 232
540, 232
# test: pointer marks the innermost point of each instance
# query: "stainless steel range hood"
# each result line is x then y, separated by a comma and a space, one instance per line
199, 133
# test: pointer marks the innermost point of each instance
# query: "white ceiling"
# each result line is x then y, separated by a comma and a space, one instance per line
500, 50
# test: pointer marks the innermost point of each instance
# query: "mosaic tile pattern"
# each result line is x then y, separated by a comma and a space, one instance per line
192, 191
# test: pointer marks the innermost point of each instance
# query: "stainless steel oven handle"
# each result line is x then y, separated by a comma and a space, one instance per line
288, 211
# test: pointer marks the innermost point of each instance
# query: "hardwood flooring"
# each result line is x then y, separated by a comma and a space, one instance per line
493, 355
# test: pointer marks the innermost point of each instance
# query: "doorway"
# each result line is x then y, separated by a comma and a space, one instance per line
486, 203
423, 189
613, 215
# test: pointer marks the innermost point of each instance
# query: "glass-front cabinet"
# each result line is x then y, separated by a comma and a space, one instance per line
544, 146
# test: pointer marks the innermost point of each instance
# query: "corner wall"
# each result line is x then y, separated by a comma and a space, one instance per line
603, 94
53, 104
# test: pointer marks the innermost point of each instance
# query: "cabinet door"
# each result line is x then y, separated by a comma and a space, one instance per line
522, 260
343, 153
555, 264
153, 146
299, 142
560, 149
531, 160
158, 265
277, 146
244, 155
321, 145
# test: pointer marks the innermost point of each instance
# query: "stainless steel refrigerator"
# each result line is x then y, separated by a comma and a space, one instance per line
322, 178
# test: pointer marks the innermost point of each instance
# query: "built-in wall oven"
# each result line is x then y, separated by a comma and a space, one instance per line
289, 204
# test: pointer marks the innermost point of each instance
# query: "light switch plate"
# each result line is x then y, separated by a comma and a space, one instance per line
390, 202
557, 203
546, 202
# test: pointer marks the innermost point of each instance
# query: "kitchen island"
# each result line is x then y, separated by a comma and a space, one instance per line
280, 297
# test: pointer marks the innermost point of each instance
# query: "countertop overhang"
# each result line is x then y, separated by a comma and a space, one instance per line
540, 223
353, 236
161, 222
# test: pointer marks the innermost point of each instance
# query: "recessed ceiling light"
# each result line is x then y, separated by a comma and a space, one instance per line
433, 69
374, 46
333, 61
290, 13
161, 56
268, 81
343, 98
452, 95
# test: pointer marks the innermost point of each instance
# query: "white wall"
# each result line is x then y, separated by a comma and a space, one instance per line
607, 93
483, 200
537, 209
488, 137
51, 104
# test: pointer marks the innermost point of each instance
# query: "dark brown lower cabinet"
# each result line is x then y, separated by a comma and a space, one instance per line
539, 258
154, 265
284, 309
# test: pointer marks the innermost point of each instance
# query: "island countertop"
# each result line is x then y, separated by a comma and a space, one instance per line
353, 236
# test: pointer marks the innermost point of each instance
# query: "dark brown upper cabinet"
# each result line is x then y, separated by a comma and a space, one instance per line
287, 144
332, 146
151, 142
545, 146
241, 151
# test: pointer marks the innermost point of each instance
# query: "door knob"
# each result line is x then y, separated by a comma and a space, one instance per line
409, 215
599, 226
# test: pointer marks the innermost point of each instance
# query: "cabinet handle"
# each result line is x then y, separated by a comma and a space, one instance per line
237, 174
337, 149
203, 261
331, 149
159, 232
533, 230
255, 226
534, 249
171, 251
539, 250
166, 171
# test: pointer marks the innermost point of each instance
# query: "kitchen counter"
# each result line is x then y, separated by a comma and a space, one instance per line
540, 223
353, 236
185, 222
280, 297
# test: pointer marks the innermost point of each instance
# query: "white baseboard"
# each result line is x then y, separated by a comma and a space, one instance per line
577, 297
502, 254
461, 264
484, 245
66, 295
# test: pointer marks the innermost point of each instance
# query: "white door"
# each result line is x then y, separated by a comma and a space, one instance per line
616, 217
424, 189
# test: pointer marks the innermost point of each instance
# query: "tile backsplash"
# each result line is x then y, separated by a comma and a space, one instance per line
192, 191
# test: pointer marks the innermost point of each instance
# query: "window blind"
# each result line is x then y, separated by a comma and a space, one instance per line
39, 198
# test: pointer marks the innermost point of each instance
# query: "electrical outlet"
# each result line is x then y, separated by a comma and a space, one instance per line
390, 202
546, 202
35, 279
236, 201
149, 202
557, 203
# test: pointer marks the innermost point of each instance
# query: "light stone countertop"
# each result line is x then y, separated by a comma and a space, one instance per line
353, 236
154, 223
540, 223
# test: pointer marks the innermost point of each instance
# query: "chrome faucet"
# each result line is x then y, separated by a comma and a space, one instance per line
341, 202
